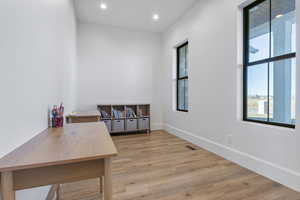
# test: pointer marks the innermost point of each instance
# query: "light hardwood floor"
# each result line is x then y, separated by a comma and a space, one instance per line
162, 167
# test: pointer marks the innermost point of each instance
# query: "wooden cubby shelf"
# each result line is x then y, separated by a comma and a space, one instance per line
126, 118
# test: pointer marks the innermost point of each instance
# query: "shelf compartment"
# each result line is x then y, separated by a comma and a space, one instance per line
144, 123
108, 124
118, 112
143, 110
105, 111
131, 124
131, 111
118, 125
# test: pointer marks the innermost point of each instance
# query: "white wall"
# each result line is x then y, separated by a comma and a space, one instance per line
118, 66
215, 94
37, 69
37, 63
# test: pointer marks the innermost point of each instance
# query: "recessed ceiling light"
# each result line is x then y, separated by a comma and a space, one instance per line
278, 16
103, 6
155, 17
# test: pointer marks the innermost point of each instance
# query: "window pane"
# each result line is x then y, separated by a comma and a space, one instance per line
259, 32
181, 95
186, 94
257, 97
186, 59
283, 27
283, 91
183, 61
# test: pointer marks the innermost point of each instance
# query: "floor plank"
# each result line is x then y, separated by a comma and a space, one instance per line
164, 167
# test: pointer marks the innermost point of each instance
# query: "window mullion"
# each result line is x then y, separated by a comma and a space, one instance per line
270, 55
182, 78
268, 109
273, 59
177, 94
185, 80
183, 91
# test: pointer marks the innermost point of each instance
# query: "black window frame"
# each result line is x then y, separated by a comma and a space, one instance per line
178, 78
246, 64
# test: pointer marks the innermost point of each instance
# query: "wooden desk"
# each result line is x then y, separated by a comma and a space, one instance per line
55, 156
84, 116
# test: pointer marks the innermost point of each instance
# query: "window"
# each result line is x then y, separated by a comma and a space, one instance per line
182, 77
269, 62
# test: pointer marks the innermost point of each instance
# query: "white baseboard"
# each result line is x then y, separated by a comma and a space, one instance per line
270, 170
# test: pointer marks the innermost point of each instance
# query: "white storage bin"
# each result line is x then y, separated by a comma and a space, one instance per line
118, 125
144, 123
131, 125
108, 124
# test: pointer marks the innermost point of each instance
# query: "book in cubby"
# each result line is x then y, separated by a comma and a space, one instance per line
144, 110
118, 111
105, 111
131, 111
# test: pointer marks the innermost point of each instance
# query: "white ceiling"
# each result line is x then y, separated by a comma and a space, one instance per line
134, 14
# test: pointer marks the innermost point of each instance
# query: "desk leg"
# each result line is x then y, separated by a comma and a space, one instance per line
101, 183
107, 179
58, 192
7, 185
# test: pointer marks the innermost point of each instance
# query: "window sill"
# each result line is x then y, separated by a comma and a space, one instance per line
277, 126
181, 111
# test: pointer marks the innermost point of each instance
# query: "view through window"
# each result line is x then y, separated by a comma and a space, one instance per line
182, 77
269, 62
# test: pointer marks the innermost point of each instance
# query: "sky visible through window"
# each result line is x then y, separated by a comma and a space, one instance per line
258, 79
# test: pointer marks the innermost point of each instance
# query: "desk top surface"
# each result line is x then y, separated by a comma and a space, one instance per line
93, 113
73, 143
